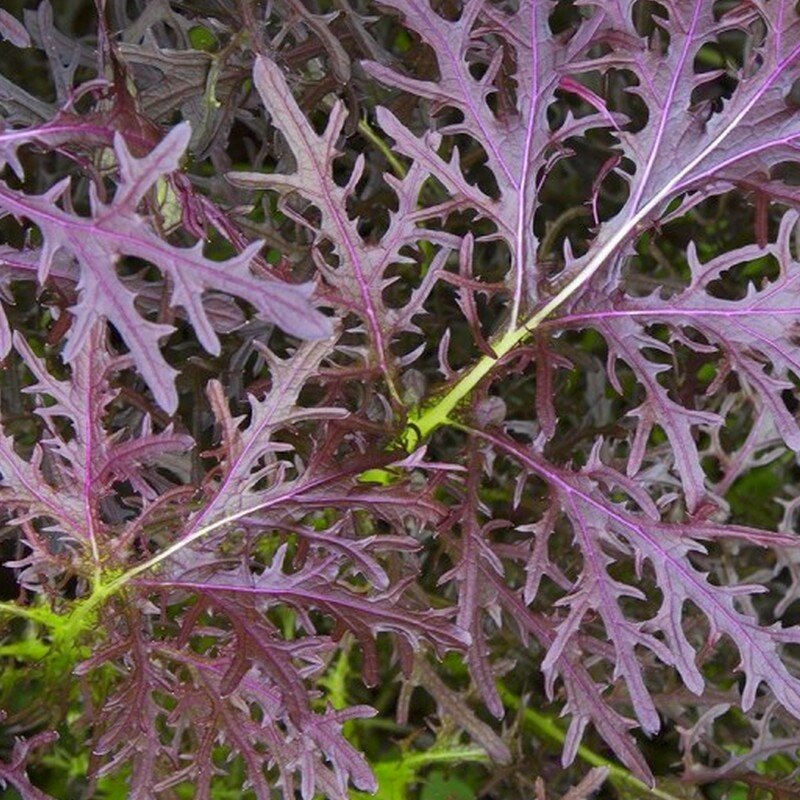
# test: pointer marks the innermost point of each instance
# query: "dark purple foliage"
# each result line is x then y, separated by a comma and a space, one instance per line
479, 374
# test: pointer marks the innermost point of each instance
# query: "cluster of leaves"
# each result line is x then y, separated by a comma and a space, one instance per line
365, 346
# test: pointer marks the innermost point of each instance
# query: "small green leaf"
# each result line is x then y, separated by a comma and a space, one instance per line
202, 38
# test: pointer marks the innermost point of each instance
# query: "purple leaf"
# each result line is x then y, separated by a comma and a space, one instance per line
13, 30
600, 525
117, 230
12, 773
360, 276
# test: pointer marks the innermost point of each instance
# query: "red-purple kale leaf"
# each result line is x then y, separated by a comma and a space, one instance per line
754, 335
72, 469
606, 532
175, 707
360, 274
116, 229
519, 143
